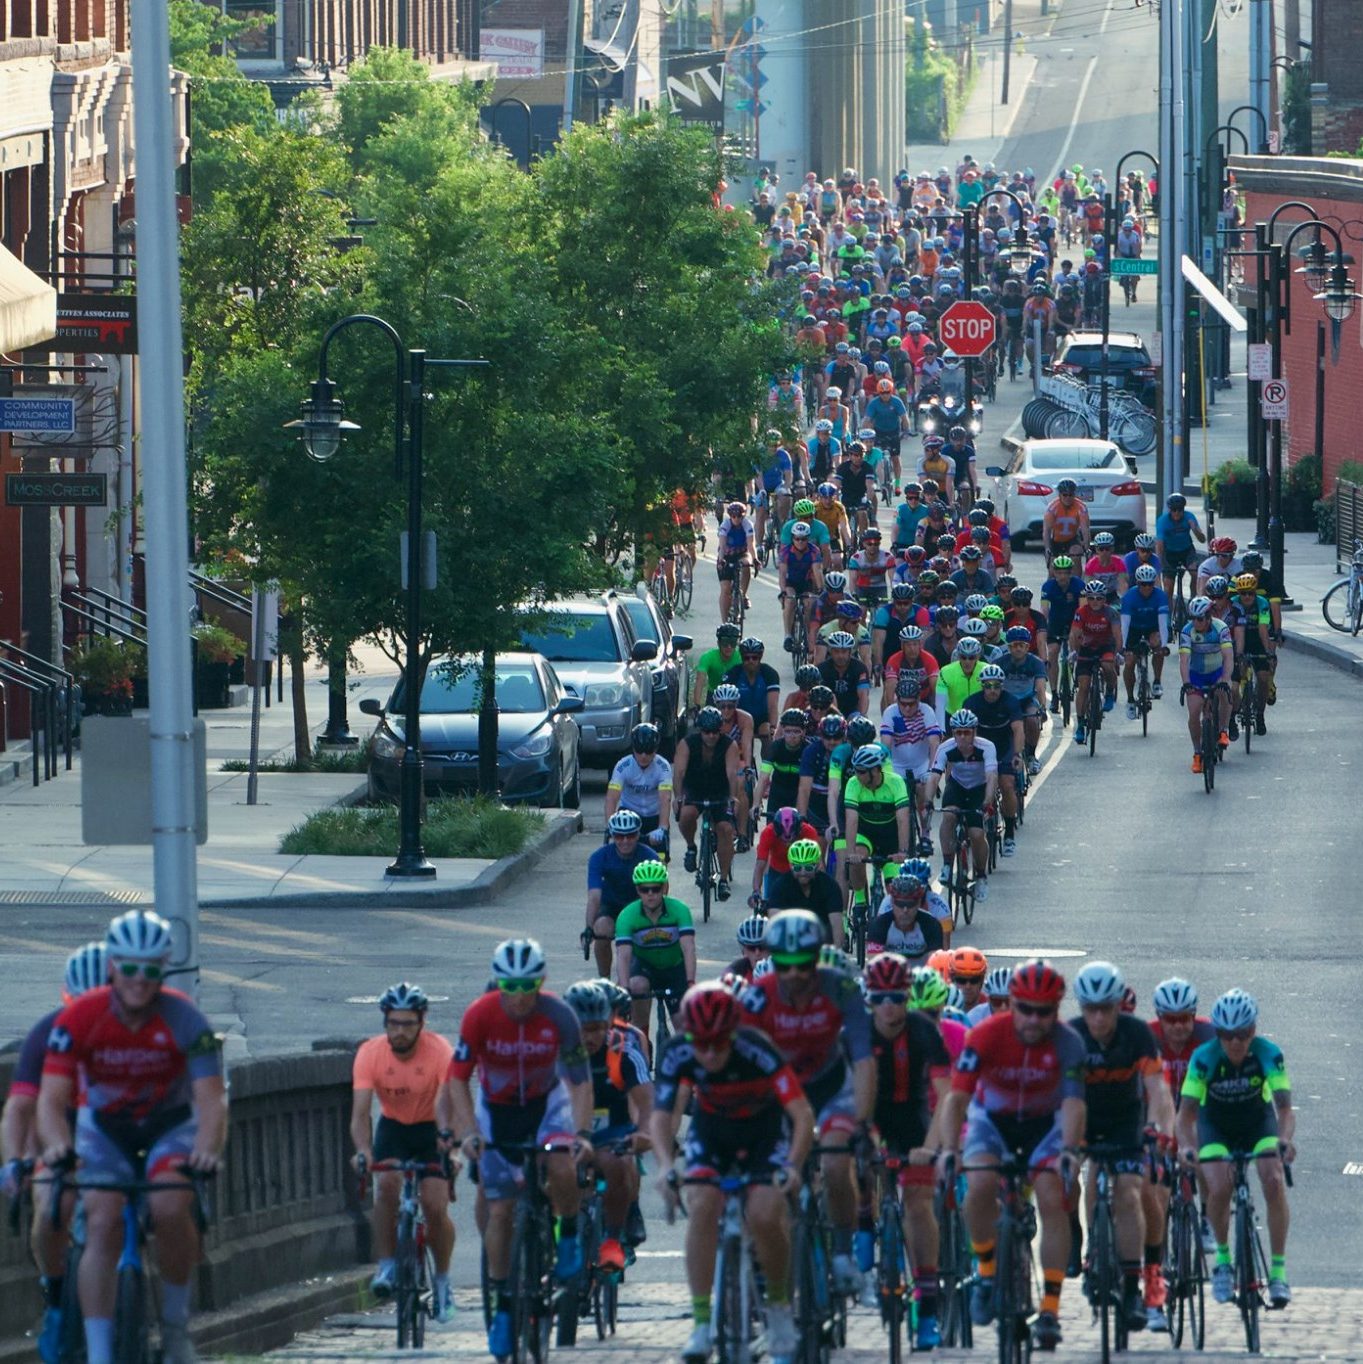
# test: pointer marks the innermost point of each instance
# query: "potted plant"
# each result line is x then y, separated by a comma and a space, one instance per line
104, 670
216, 650
1303, 488
1234, 482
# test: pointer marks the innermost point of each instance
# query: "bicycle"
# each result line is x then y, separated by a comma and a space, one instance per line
132, 1319
1185, 1263
1247, 1251
707, 858
1104, 1280
1064, 689
956, 1271
993, 832
820, 1310
664, 1003
414, 1293
1350, 604
961, 891
685, 571
1093, 706
767, 548
893, 1283
1209, 745
1178, 605
857, 916
598, 1294
1249, 700
661, 592
1145, 699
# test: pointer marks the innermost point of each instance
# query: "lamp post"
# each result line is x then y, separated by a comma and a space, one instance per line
529, 124
970, 241
1110, 235
1263, 122
322, 426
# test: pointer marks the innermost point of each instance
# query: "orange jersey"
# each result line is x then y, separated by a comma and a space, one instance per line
406, 1086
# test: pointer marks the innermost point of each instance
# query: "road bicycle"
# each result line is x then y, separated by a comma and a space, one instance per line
993, 832
857, 915
71, 1338
766, 550
662, 594
1249, 701
686, 576
894, 1283
820, 1309
598, 1290
707, 857
956, 1270
1247, 1250
1209, 737
1145, 697
1092, 719
1104, 1278
799, 639
1185, 1262
1342, 605
961, 889
1064, 689
664, 1002
1178, 604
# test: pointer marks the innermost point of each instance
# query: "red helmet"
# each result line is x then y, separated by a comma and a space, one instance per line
1128, 1000
1037, 982
940, 961
709, 1012
1223, 544
889, 971
968, 963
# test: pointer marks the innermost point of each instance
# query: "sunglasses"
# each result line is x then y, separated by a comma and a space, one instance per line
888, 997
1178, 1019
706, 1043
650, 890
1228, 1035
631, 834
519, 987
148, 970
1034, 1010
751, 658
800, 964
990, 686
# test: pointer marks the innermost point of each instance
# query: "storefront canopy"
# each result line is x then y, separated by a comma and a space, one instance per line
28, 306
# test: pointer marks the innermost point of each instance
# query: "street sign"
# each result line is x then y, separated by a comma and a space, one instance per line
1122, 265
1273, 400
967, 328
1275, 141
1260, 361
38, 414
56, 490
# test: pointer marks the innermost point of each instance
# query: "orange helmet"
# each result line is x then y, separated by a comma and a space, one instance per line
968, 963
885, 386
940, 961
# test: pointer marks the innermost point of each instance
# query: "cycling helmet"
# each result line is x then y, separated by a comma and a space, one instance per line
709, 720
928, 577
138, 935
986, 505
1022, 596
86, 969
622, 1002
644, 738
927, 989
1252, 561
774, 437
831, 727
969, 647
786, 820
404, 996
822, 698
1100, 982
1067, 487
991, 673
1018, 634
1217, 586
650, 873
1062, 563
1144, 541
968, 963
976, 602
726, 694
823, 426
965, 719
1223, 544
971, 554
836, 581
728, 632
917, 866
955, 1000
888, 972
840, 639
835, 959
869, 432
1146, 573
1175, 996
909, 685
1176, 502
793, 717
979, 535
861, 731
881, 366
905, 886
956, 433
709, 1012
800, 531
752, 932
523, 958
1005, 582
870, 533
795, 933
624, 822
1095, 587
992, 613
807, 676
751, 645
1235, 1009
737, 508
804, 509
804, 852
827, 490
589, 1002
977, 627
996, 983
1199, 608
978, 517
1037, 982
902, 592
910, 633
1246, 582
934, 443
940, 961
1104, 540
867, 758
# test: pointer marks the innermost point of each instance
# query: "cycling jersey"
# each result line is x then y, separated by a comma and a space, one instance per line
1095, 630
27, 1078
1250, 619
1145, 611
1211, 567
937, 467
906, 1064
1176, 535
1208, 651
1236, 1102
819, 1037
783, 764
922, 937
755, 1081
1106, 573
714, 665
1013, 1080
1175, 1063
777, 472
968, 582
907, 520
1020, 678
814, 764
996, 720
846, 686
799, 565
925, 663
870, 569
970, 771
1063, 603
639, 786
889, 619
133, 1072
833, 518
518, 1059
617, 1066
886, 415
818, 533
908, 737
853, 480
876, 808
733, 537
775, 850
1114, 1078
753, 692
823, 458
613, 875
1066, 521
655, 942
707, 778
954, 684
821, 895
405, 1086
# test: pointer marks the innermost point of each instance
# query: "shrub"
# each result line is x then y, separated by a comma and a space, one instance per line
458, 827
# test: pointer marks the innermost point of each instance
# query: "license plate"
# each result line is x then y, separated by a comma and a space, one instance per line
1086, 494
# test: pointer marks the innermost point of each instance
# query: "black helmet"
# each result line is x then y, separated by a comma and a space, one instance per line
1067, 487
807, 676
751, 645
986, 505
644, 738
1176, 502
822, 698
728, 632
956, 433
709, 720
794, 717
978, 517
832, 727
1022, 596
861, 731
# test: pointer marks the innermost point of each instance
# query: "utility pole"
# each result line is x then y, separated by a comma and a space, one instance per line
1171, 248
1007, 48
1260, 50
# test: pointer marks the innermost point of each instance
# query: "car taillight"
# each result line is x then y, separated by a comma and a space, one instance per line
1146, 372
1064, 367
1026, 489
1132, 489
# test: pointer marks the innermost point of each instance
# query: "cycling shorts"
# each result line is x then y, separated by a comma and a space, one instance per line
1258, 1133
727, 568
1135, 638
988, 1134
969, 801
669, 978
881, 840
547, 1118
1087, 661
834, 1101
719, 816
108, 1145
1130, 1157
715, 1145
1175, 558
1204, 682
405, 1141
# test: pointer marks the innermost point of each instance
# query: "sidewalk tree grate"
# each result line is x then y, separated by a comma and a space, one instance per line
70, 897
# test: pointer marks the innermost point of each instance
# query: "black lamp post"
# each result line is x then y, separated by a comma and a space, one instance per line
322, 427
529, 124
1110, 236
1263, 123
970, 245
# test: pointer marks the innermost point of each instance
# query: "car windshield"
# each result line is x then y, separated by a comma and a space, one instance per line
450, 692
642, 620
1119, 357
574, 639
1051, 458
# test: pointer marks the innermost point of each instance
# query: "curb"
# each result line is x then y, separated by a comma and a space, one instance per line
1332, 655
489, 883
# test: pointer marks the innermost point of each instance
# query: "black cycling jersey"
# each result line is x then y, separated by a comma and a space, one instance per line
1114, 1077
905, 1066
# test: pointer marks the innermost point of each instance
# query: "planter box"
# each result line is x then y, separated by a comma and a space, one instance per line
1235, 499
211, 685
101, 703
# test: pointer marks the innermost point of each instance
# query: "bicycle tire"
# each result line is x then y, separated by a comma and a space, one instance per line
131, 1327
1190, 1277
1065, 687
71, 1341
685, 583
525, 1286
963, 880
1007, 1310
893, 1293
1095, 709
1143, 698
731, 1333
809, 1322
1102, 1254
1210, 749
1246, 1289
1355, 606
1328, 607
1247, 706
704, 880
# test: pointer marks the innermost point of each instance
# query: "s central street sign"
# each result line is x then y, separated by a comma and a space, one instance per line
1121, 265
56, 490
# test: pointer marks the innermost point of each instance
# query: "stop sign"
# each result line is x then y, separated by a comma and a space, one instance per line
967, 328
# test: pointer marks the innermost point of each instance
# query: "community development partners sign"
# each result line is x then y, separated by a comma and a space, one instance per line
518, 52
695, 89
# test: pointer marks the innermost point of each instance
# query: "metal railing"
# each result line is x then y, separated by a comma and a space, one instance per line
63, 681
204, 586
42, 694
1348, 519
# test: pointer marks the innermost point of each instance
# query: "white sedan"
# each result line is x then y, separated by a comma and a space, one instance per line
1108, 487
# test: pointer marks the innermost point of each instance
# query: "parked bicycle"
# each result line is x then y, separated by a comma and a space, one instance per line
1342, 605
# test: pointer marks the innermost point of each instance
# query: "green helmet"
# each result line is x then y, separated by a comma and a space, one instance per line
1062, 561
927, 989
835, 959
992, 613
804, 852
650, 873
804, 508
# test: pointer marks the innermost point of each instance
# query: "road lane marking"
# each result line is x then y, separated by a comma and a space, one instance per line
1051, 763
1078, 110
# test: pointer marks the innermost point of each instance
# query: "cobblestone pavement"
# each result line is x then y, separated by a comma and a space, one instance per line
1322, 1324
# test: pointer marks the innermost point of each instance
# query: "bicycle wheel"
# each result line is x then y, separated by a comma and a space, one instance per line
961, 880
1066, 690
131, 1343
1247, 1281
704, 879
685, 583
1190, 1279
893, 1293
1247, 706
1355, 605
1103, 1278
1210, 748
1095, 712
1143, 698
993, 837
525, 1286
1009, 1311
730, 1329
1334, 606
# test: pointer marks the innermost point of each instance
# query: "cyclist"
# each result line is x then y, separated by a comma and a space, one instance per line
808, 886
844, 675
734, 556
534, 1084
1175, 530
824, 451
1107, 566
971, 769
1000, 723
829, 526
750, 1116
890, 619
642, 781
934, 465
759, 687
655, 944
959, 679
910, 920
941, 642
870, 568
1024, 679
972, 576
1205, 655
403, 1068
773, 852
712, 665
799, 574
910, 516
1145, 623
912, 732
622, 1107
818, 1021
707, 773
1094, 645
875, 817
752, 947
960, 451
1039, 312
910, 657
1142, 552
87, 969
775, 478
1221, 563
610, 880
995, 994
889, 417
1020, 1080
912, 1067
1251, 622
150, 1069
779, 782
1124, 1090
1065, 524
1062, 592
806, 679
737, 725
812, 798
854, 477
1237, 1097
967, 971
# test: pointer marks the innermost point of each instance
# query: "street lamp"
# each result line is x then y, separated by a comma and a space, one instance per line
322, 426
1338, 297
1110, 236
970, 242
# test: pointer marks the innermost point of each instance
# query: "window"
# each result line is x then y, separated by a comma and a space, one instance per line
518, 690
256, 42
1051, 458
574, 639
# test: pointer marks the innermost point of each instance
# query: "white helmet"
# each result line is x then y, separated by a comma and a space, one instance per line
1200, 608
87, 968
1145, 573
795, 932
969, 647
519, 959
139, 935
1100, 982
1175, 996
835, 581
997, 981
1235, 1009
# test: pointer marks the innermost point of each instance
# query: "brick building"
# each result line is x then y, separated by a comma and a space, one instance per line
1336, 76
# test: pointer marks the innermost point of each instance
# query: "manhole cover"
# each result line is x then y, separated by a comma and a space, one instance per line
70, 897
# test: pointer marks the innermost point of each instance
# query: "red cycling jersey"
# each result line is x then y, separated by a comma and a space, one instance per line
752, 1081
775, 851
812, 1038
518, 1059
1095, 630
1175, 1063
138, 1071
1012, 1080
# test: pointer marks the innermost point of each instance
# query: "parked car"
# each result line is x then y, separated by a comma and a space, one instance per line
1107, 481
538, 742
1080, 355
671, 671
600, 655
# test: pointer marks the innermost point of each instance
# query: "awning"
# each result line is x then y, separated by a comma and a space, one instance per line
28, 306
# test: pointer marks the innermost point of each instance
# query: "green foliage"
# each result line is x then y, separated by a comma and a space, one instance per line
474, 827
1234, 471
339, 762
1296, 110
217, 645
1351, 471
935, 88
105, 667
1304, 477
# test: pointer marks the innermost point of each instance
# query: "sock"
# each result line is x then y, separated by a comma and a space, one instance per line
501, 1294
842, 1240
700, 1310
1010, 825
865, 1218
1277, 1267
1154, 1255
567, 1228
983, 1251
442, 1281
1222, 1254
174, 1303
52, 1289
778, 1295
614, 1233
925, 1290
99, 1340
1131, 1273
1050, 1292
859, 898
